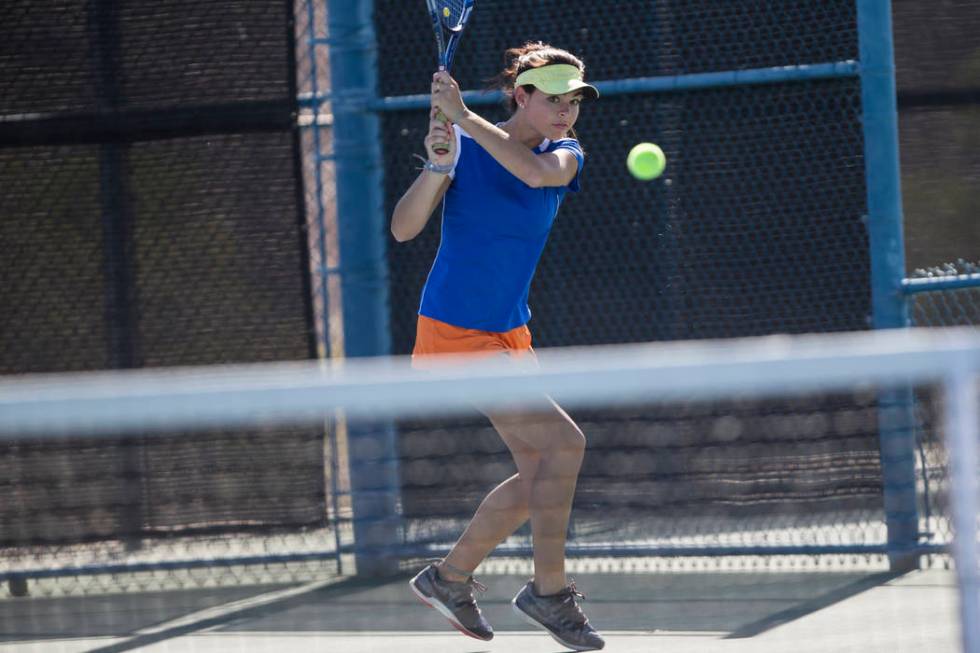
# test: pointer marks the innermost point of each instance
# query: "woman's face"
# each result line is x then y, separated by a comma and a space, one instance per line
550, 115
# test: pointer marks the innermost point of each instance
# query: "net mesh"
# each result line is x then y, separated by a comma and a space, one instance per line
681, 474
737, 474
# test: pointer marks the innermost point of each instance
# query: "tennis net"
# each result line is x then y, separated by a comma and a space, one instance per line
799, 453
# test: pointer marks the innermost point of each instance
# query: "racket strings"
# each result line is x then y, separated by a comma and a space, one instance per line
451, 12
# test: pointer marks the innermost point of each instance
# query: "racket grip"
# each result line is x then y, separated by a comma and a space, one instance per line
440, 148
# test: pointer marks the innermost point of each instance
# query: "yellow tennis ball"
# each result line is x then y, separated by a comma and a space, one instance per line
646, 161
446, 12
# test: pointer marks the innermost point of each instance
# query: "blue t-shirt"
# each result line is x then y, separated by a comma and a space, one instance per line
494, 228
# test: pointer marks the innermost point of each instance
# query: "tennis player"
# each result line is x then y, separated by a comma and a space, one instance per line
502, 186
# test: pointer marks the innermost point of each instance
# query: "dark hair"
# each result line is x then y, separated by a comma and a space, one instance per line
533, 54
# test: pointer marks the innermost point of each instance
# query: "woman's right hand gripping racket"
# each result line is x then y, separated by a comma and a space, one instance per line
448, 20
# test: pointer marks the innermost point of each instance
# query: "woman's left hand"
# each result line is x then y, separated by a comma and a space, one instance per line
446, 96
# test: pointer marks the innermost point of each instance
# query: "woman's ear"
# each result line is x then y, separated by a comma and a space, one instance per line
520, 96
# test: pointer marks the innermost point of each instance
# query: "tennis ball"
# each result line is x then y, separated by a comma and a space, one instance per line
646, 161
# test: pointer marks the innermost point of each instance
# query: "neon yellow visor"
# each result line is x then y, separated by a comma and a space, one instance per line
556, 79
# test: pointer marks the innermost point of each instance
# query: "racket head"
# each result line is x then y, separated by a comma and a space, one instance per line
448, 20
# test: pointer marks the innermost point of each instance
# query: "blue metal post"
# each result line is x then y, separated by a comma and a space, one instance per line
889, 304
323, 348
363, 271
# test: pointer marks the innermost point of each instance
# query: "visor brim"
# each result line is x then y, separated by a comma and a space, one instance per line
570, 86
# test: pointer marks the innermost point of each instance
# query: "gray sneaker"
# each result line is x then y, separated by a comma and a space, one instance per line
560, 615
454, 600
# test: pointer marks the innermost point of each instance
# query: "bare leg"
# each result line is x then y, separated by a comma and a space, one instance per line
501, 513
561, 446
548, 448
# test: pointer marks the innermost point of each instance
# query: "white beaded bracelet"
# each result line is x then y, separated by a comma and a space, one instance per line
438, 169
434, 167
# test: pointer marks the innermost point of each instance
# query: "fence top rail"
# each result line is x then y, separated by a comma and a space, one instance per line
657, 84
155, 399
947, 282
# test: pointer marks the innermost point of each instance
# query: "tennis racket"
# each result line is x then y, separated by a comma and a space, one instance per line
448, 20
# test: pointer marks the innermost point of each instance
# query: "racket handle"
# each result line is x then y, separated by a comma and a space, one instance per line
440, 148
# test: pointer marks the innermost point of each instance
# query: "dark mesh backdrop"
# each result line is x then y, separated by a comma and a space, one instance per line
755, 228
937, 63
149, 216
52, 269
171, 53
630, 38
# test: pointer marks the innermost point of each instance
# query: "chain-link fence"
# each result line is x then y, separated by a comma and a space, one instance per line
160, 206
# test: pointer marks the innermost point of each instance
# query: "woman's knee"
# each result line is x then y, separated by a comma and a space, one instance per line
563, 436
546, 435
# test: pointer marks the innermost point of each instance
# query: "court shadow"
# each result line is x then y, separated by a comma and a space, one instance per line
145, 618
726, 604
794, 612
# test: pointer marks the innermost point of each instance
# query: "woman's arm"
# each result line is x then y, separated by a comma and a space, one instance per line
536, 170
556, 168
415, 207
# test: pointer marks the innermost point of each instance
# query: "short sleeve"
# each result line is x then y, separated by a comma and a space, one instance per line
573, 146
458, 135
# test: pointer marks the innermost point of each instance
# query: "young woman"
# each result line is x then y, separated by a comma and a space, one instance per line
502, 186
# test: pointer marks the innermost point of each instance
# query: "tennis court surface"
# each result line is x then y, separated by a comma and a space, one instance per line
703, 611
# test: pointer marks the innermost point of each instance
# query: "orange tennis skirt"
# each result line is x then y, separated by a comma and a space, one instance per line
433, 337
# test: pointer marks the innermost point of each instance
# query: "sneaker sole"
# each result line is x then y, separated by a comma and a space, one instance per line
534, 622
433, 602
